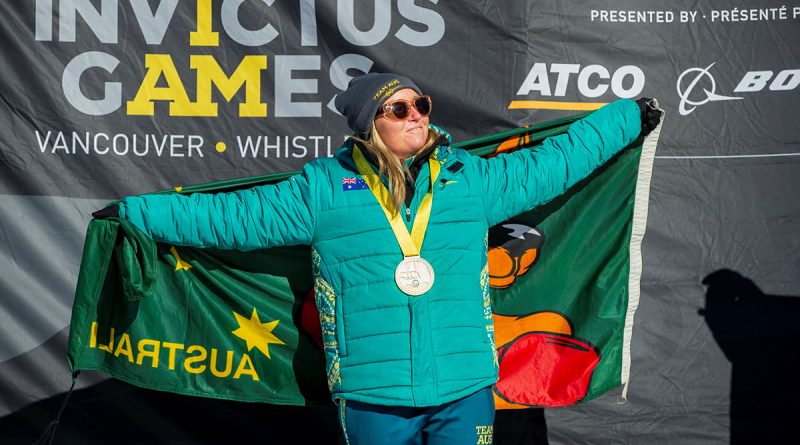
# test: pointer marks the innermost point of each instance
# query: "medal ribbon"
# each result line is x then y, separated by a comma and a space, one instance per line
410, 244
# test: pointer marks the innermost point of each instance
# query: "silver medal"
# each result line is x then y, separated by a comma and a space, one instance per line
414, 276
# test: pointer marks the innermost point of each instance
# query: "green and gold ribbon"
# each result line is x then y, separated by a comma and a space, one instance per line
410, 243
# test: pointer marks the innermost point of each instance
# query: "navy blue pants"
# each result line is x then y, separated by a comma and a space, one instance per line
465, 421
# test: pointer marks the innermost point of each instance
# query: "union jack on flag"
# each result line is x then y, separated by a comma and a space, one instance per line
349, 184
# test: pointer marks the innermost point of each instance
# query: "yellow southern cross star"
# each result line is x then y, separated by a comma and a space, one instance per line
255, 333
179, 263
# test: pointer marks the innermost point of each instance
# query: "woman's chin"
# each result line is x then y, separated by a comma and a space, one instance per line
417, 142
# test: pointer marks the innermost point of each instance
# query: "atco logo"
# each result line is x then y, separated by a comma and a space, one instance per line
592, 80
549, 84
696, 86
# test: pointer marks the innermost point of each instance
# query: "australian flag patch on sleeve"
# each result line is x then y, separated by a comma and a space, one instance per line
351, 183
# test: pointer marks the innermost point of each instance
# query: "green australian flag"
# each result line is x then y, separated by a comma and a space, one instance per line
242, 325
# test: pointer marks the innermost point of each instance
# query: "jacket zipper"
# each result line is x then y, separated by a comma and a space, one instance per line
408, 214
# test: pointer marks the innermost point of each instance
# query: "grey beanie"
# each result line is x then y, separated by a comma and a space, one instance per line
365, 94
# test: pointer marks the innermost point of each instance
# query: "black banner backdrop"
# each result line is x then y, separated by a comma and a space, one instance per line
105, 98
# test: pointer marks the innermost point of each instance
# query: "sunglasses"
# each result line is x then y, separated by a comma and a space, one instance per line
400, 109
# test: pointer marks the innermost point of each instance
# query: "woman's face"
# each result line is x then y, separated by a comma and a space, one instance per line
403, 137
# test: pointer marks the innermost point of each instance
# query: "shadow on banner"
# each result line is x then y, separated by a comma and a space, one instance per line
759, 334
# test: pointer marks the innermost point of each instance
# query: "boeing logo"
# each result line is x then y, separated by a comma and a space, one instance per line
694, 80
685, 93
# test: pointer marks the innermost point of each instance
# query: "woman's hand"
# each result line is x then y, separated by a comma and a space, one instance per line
649, 114
111, 211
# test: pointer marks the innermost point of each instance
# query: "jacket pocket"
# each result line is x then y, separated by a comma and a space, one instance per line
486, 307
340, 327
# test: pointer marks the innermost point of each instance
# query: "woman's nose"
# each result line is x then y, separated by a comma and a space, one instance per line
413, 114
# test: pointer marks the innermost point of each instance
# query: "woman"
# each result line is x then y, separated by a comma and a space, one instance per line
398, 222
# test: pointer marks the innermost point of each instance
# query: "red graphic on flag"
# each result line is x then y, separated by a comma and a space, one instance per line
542, 362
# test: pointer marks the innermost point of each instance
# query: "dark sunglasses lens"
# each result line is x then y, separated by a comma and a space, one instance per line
423, 105
399, 110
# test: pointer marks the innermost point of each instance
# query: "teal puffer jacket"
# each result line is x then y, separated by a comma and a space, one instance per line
383, 346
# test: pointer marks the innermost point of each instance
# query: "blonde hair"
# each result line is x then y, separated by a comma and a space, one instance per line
390, 166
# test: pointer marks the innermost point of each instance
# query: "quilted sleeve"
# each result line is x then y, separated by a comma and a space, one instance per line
259, 217
520, 181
